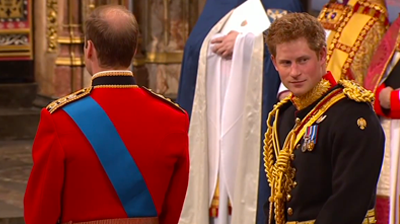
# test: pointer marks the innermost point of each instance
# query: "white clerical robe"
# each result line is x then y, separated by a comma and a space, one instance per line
225, 131
389, 180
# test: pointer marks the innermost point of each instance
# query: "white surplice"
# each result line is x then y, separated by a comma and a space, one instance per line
225, 131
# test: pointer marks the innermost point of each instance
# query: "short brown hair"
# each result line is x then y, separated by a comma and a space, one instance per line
115, 41
293, 26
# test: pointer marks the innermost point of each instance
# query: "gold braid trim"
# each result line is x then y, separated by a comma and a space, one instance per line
356, 92
57, 104
313, 95
277, 162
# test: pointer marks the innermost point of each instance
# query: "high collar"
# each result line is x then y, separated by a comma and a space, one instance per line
325, 85
116, 78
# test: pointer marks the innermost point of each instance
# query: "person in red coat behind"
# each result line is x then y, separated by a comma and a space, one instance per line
113, 152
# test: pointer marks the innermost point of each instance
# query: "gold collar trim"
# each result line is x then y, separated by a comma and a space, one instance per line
313, 95
112, 73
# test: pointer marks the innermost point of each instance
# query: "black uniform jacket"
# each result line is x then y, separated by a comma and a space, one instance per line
335, 182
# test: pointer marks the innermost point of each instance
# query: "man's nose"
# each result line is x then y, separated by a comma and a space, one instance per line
294, 70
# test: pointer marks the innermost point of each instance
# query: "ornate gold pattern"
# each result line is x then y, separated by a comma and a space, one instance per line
336, 16
314, 94
280, 174
16, 29
356, 92
164, 98
360, 61
11, 9
55, 105
344, 19
52, 25
344, 47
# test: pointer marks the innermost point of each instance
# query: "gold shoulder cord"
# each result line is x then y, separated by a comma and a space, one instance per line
356, 92
280, 174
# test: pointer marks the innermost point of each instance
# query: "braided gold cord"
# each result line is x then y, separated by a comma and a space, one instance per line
269, 139
283, 172
356, 92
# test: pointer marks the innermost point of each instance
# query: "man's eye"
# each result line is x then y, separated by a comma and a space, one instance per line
303, 60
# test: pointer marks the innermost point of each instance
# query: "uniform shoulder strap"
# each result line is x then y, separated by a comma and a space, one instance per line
164, 99
59, 103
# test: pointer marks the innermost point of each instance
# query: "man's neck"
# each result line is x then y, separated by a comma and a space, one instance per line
99, 69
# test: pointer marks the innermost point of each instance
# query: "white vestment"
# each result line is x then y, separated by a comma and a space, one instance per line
225, 131
389, 180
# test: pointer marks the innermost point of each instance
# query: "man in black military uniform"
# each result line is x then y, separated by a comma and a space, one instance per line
324, 144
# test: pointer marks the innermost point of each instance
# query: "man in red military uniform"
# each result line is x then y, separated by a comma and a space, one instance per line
114, 152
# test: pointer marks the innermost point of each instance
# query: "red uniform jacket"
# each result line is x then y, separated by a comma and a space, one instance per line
70, 183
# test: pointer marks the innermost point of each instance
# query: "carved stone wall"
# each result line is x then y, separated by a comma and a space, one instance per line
165, 28
45, 41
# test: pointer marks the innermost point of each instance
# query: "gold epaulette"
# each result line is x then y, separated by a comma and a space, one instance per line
356, 92
165, 99
55, 105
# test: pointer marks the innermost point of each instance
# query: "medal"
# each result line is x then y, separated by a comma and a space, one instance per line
310, 138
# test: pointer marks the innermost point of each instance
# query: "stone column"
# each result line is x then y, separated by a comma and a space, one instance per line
165, 31
46, 24
69, 63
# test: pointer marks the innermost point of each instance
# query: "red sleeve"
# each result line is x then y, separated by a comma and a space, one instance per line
377, 104
395, 105
42, 202
177, 188
394, 111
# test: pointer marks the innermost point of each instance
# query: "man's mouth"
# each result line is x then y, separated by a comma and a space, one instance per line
297, 82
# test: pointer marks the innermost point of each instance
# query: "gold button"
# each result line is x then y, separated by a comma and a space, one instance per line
288, 197
295, 184
298, 120
298, 146
292, 157
290, 211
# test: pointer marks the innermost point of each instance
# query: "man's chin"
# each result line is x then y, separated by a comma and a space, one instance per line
298, 93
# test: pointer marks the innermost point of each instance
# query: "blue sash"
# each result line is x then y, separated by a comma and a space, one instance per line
115, 158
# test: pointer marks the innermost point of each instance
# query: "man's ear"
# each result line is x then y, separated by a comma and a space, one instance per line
322, 55
273, 59
89, 48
